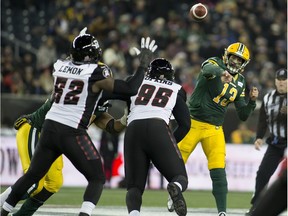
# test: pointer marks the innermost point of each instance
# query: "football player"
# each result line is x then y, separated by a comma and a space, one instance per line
28, 132
220, 83
148, 138
78, 86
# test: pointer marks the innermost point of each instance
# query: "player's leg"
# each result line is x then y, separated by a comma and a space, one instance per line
167, 158
4, 195
190, 141
215, 150
136, 166
41, 161
273, 201
80, 150
52, 184
186, 147
268, 165
26, 139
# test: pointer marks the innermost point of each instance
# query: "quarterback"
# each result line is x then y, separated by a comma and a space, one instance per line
220, 83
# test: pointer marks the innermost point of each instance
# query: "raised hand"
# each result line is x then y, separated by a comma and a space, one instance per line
145, 43
254, 93
148, 47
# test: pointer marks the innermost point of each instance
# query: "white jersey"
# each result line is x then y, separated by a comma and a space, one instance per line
74, 101
155, 99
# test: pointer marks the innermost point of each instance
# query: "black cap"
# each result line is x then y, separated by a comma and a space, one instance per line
281, 74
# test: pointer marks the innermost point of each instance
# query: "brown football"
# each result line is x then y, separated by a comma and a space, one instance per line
198, 12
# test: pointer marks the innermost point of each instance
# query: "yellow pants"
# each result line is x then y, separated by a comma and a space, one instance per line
27, 138
212, 140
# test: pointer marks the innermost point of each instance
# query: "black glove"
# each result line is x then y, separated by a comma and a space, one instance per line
146, 53
21, 120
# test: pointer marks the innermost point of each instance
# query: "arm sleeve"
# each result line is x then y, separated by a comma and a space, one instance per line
42, 111
244, 110
262, 123
130, 87
210, 69
182, 116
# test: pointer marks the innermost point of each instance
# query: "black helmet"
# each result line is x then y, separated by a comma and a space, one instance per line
160, 68
85, 45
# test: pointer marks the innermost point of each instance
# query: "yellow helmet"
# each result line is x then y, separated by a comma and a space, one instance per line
240, 50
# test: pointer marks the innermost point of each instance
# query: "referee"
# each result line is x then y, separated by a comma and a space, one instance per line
273, 116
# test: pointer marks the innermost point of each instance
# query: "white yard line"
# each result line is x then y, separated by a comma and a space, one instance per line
122, 211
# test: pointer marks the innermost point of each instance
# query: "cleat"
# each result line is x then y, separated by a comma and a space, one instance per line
170, 205
177, 198
222, 214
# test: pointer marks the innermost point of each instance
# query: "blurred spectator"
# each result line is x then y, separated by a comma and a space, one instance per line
45, 81
47, 54
261, 25
242, 135
29, 80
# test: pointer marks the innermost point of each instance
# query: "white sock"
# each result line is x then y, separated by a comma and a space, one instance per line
7, 207
134, 213
87, 207
4, 195
179, 185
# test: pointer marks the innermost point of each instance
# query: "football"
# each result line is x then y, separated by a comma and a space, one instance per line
198, 12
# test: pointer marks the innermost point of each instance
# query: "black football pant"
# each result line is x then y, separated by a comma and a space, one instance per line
273, 201
146, 141
76, 145
269, 164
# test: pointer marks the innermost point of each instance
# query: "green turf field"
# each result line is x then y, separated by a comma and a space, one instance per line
112, 203
151, 198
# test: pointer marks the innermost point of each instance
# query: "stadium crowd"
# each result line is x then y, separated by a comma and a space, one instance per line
44, 28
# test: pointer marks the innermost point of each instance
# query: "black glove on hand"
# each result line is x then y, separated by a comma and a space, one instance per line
146, 53
145, 57
21, 120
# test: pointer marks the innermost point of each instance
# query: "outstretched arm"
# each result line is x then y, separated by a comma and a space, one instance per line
107, 122
131, 86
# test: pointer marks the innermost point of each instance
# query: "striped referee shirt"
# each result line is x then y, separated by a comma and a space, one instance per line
272, 118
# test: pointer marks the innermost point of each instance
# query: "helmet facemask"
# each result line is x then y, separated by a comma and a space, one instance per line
235, 65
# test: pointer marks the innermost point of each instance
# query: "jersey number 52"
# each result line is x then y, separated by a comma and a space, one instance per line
71, 97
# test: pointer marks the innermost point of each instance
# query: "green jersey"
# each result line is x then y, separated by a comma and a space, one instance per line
211, 97
37, 118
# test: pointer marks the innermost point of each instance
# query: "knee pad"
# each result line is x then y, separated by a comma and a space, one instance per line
133, 199
182, 180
